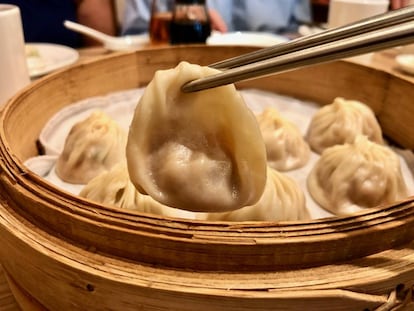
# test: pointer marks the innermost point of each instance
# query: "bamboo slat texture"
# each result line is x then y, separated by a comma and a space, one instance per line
7, 300
93, 257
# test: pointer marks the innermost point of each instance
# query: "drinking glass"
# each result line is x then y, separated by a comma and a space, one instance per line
161, 16
14, 73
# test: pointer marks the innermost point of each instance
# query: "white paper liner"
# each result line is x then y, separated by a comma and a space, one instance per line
121, 105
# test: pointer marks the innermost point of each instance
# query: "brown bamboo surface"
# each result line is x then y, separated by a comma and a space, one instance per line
90, 257
380, 280
7, 301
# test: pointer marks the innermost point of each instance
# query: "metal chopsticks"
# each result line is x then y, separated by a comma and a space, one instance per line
384, 31
372, 23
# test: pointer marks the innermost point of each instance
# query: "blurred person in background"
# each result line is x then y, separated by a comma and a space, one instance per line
281, 17
397, 4
276, 16
43, 19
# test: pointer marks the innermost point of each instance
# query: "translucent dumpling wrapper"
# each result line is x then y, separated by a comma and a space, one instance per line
340, 122
114, 188
200, 151
92, 146
282, 200
348, 178
286, 148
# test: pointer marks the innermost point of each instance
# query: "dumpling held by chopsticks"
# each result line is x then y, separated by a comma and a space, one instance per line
198, 151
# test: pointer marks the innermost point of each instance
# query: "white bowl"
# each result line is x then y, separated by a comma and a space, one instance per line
261, 39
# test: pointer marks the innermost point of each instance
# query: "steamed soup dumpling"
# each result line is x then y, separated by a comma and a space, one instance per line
200, 151
114, 188
282, 200
354, 176
340, 122
285, 146
92, 146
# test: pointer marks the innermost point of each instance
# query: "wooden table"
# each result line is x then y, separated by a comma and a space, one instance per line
382, 60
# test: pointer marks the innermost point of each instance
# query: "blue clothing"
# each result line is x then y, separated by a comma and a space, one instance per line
277, 16
43, 21
137, 14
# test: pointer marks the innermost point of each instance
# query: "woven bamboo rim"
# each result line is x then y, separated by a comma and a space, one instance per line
64, 232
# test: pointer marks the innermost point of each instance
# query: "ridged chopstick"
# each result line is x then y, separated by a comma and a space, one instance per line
398, 32
369, 24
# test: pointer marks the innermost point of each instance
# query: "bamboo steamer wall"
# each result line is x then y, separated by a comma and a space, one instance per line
92, 257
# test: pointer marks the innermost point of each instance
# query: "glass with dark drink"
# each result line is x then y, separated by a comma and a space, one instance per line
161, 16
320, 11
190, 22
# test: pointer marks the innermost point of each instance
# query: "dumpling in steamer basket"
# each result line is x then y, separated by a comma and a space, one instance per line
340, 122
114, 188
282, 200
285, 146
199, 151
351, 177
92, 146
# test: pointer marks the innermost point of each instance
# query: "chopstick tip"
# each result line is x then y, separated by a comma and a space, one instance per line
186, 87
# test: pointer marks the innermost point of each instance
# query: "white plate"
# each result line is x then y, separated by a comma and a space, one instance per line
43, 58
406, 62
245, 38
306, 30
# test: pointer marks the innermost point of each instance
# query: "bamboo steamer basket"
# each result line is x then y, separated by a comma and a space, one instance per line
60, 252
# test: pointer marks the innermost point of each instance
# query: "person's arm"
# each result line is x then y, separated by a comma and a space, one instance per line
217, 21
397, 4
137, 15
97, 14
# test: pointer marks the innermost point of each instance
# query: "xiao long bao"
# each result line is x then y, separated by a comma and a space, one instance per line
340, 122
282, 200
286, 148
114, 188
93, 146
357, 175
199, 151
